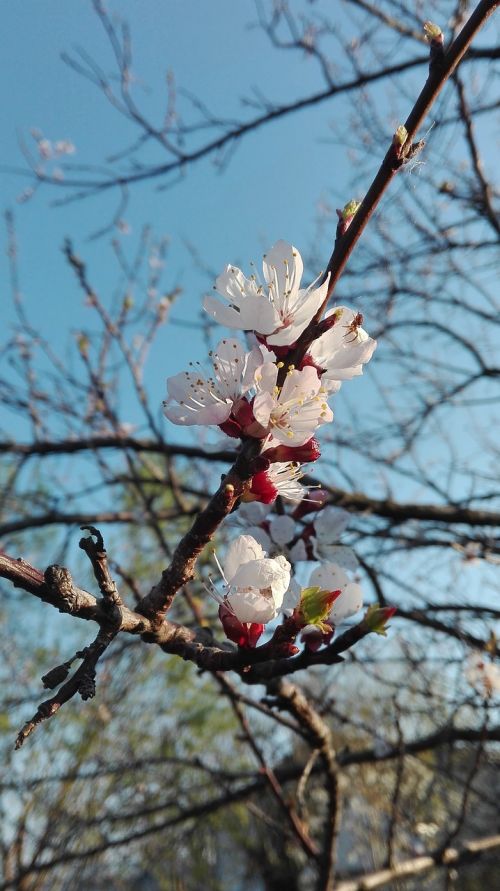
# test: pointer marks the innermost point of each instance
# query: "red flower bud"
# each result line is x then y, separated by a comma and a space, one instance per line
310, 451
245, 634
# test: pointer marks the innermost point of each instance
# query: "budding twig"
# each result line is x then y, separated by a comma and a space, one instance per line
96, 552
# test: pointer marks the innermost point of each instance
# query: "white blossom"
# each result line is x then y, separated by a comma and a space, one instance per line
329, 526
194, 399
281, 478
64, 147
343, 349
279, 310
292, 412
255, 584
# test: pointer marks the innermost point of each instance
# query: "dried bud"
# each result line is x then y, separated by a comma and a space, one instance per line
87, 686
56, 676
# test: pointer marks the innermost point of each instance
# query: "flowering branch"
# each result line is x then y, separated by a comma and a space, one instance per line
272, 398
396, 156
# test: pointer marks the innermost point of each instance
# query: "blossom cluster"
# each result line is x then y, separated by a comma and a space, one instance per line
275, 388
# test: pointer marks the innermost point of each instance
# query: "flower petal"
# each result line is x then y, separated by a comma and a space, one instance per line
240, 551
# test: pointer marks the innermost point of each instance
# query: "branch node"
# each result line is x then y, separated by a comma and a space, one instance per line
60, 583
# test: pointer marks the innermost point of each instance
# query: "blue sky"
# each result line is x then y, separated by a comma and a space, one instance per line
269, 191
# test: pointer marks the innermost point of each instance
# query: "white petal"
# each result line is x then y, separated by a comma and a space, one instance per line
182, 414
349, 603
223, 314
253, 512
273, 573
340, 351
292, 598
330, 523
306, 306
329, 577
266, 376
261, 536
263, 405
241, 550
282, 529
298, 552
283, 268
298, 384
339, 554
253, 606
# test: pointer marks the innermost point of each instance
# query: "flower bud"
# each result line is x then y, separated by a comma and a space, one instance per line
83, 344
376, 618
315, 605
310, 451
400, 136
245, 634
350, 209
435, 37
433, 31
346, 216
